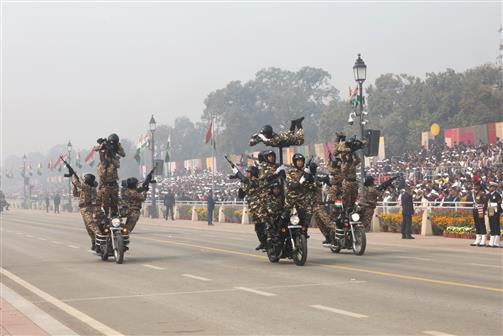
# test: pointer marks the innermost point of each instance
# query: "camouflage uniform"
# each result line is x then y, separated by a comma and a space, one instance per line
349, 184
283, 139
321, 215
108, 192
262, 193
135, 198
87, 199
373, 194
300, 195
274, 212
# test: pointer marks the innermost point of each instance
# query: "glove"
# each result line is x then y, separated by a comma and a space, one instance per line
302, 180
280, 169
263, 137
235, 170
307, 171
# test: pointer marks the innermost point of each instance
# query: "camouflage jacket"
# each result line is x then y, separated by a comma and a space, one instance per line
283, 139
85, 193
108, 173
299, 195
135, 198
371, 197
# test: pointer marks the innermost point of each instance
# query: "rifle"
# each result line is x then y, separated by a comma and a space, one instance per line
70, 169
386, 184
148, 180
238, 174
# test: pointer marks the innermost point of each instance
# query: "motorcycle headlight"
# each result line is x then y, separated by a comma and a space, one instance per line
294, 219
116, 222
355, 217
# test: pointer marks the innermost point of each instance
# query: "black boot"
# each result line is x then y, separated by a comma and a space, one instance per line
298, 122
93, 246
293, 124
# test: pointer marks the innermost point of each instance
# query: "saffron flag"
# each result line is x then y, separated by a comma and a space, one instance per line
209, 132
90, 158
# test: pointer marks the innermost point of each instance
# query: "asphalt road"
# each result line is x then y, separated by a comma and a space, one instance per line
181, 278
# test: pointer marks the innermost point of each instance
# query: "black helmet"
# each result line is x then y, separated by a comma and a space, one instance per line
90, 180
132, 182
341, 136
261, 156
267, 131
253, 170
269, 152
336, 163
113, 138
369, 181
298, 156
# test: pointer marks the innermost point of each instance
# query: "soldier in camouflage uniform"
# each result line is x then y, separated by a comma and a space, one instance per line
293, 137
300, 186
108, 193
325, 224
371, 197
335, 187
274, 209
349, 185
86, 191
135, 197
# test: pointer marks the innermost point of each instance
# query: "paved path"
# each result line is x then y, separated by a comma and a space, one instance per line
188, 278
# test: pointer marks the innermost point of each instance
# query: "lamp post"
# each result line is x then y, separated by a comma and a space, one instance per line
152, 126
69, 147
25, 201
360, 72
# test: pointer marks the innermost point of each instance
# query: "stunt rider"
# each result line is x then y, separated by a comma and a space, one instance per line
135, 197
294, 136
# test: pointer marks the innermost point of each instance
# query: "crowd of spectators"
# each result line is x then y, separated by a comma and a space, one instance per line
441, 175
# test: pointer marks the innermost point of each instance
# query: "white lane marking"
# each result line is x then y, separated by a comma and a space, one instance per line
35, 314
436, 333
61, 305
19, 233
484, 265
338, 311
73, 246
196, 277
414, 258
40, 238
29, 236
246, 289
55, 242
153, 267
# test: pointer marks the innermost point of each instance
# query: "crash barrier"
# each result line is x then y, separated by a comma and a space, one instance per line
238, 212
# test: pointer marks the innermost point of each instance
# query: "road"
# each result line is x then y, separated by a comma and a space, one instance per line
188, 278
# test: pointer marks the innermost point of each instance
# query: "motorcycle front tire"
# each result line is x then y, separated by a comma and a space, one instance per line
300, 253
119, 249
361, 240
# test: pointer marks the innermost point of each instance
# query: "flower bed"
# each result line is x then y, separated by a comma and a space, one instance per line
185, 211
392, 222
233, 214
202, 214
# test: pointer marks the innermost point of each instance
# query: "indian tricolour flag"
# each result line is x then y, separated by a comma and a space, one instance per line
143, 142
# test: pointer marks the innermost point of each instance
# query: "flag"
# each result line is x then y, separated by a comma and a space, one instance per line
353, 96
90, 158
143, 142
30, 170
209, 132
77, 161
49, 165
167, 158
39, 168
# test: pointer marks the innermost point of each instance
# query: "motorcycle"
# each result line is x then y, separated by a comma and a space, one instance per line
349, 234
114, 240
290, 241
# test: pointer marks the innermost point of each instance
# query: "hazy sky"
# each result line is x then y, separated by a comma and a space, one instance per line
81, 70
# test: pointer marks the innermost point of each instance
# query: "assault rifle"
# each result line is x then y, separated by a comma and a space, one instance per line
148, 180
386, 184
238, 174
70, 169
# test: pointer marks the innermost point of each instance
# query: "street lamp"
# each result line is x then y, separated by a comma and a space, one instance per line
152, 125
25, 201
69, 147
360, 72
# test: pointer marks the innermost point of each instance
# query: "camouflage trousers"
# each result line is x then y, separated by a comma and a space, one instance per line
349, 193
367, 214
108, 198
88, 217
132, 219
324, 221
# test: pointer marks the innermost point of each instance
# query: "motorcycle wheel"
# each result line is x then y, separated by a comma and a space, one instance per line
300, 253
104, 252
119, 249
360, 241
271, 253
336, 249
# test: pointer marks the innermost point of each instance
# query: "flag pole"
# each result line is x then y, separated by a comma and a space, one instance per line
213, 158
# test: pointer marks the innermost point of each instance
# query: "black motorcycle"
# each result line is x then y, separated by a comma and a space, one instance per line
349, 234
114, 240
290, 241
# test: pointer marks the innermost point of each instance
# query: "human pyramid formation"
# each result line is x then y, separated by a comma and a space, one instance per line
99, 202
273, 192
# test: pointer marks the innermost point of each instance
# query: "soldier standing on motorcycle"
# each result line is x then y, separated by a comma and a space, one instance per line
108, 193
349, 185
335, 188
319, 211
300, 184
274, 209
372, 194
86, 191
